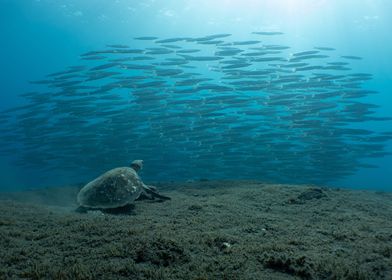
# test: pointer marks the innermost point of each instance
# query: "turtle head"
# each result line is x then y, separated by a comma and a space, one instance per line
137, 164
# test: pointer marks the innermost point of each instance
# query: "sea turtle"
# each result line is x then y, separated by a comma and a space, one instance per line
115, 189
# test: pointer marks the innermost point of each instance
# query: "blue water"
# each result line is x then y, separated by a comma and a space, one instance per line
42, 36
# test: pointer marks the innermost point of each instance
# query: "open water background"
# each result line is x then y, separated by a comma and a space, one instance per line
42, 37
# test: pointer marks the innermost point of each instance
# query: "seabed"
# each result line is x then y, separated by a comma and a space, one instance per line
208, 230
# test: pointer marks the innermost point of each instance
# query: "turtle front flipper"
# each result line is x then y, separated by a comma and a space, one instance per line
153, 192
81, 209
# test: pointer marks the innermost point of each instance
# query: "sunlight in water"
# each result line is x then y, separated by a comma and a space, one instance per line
281, 10
293, 7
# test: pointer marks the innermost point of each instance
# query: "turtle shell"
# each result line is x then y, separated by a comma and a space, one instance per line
115, 188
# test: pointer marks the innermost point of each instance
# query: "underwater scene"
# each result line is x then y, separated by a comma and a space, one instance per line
184, 139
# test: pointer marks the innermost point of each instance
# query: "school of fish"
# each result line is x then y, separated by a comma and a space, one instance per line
206, 107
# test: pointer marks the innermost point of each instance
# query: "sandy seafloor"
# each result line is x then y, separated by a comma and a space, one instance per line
209, 230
